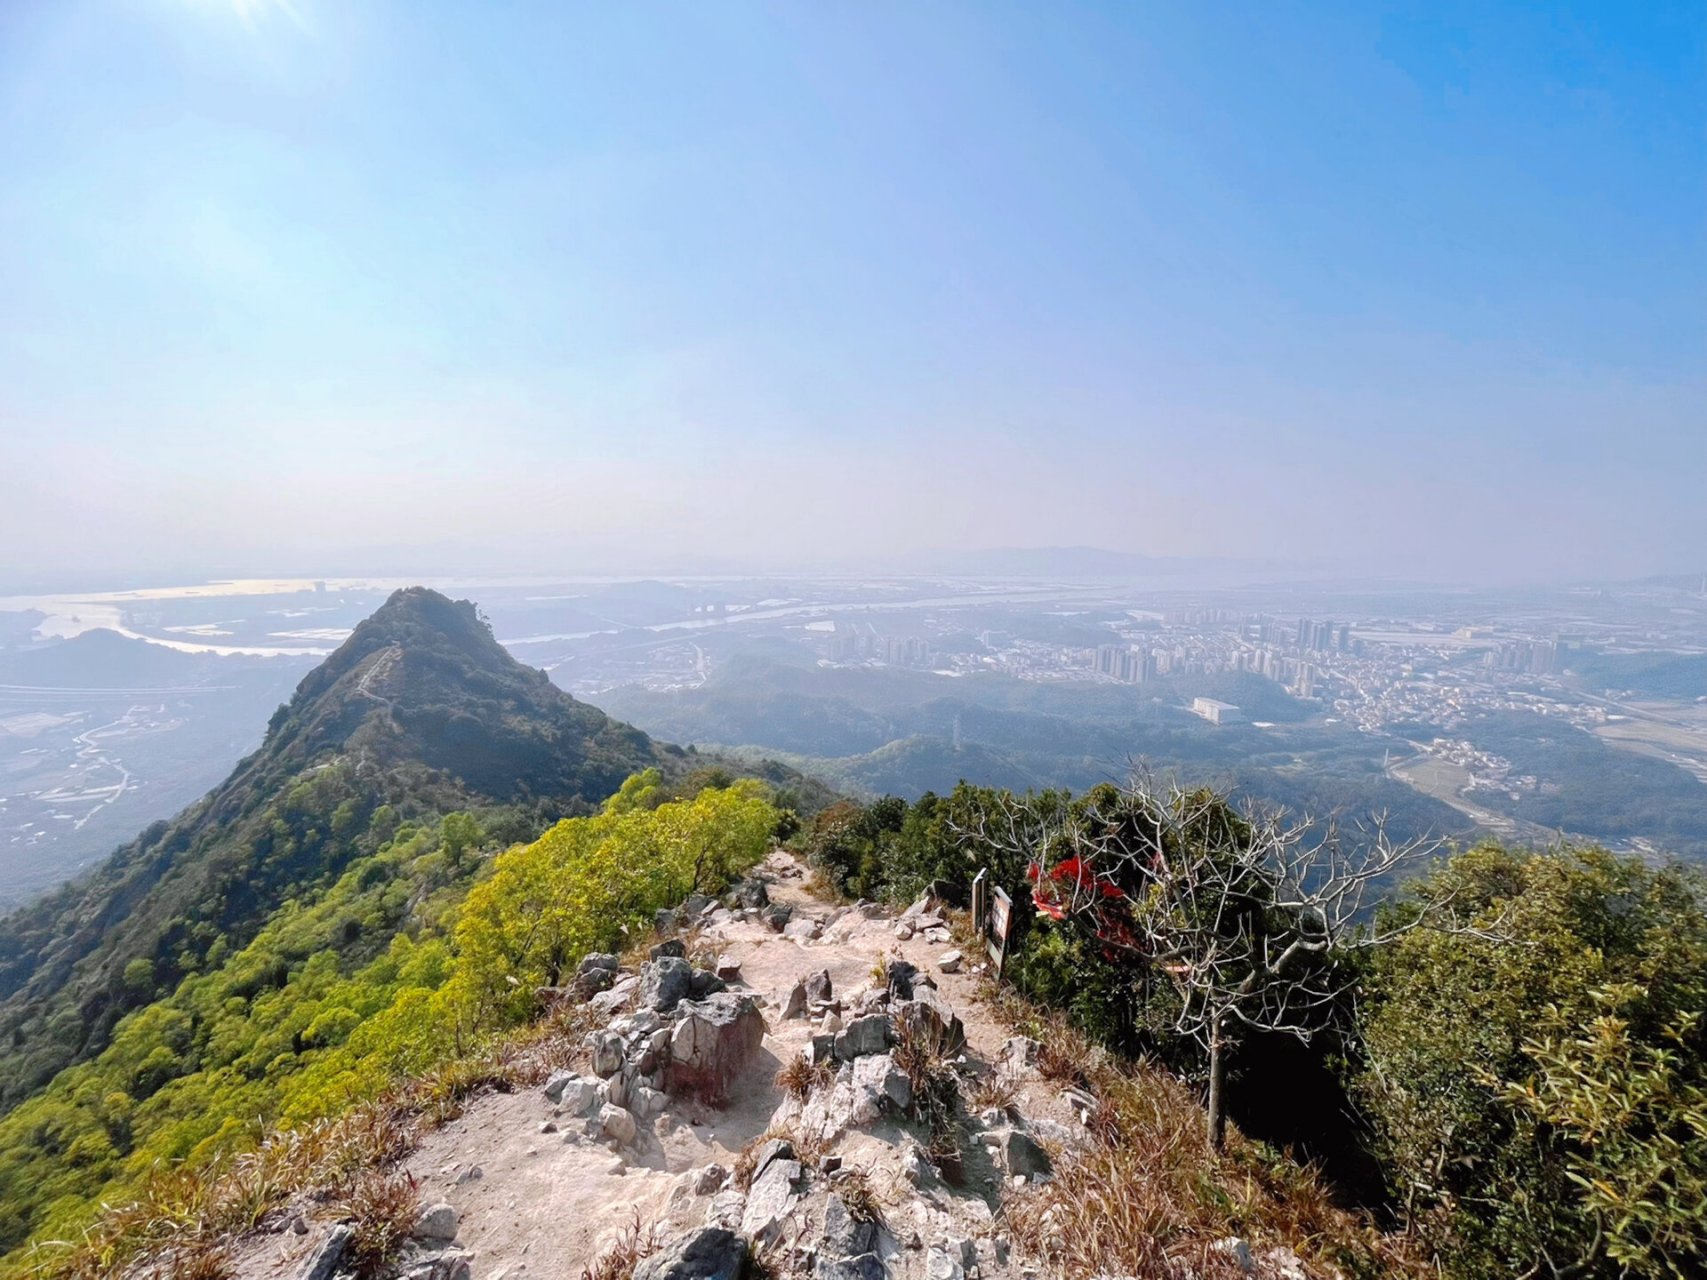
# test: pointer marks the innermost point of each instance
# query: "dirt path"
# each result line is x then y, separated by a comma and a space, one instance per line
545, 1204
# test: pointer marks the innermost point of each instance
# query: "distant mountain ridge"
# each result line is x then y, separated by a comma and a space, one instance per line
1085, 562
419, 712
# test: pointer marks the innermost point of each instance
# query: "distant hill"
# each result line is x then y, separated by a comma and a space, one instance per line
103, 659
1082, 562
418, 713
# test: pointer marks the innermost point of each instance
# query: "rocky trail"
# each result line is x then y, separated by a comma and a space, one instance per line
661, 1129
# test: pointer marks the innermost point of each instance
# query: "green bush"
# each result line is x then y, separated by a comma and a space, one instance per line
1538, 1099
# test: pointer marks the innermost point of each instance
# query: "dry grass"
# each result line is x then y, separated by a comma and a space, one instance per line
1145, 1197
800, 1078
381, 1207
860, 1196
183, 1217
808, 1149
618, 1261
991, 1090
926, 1060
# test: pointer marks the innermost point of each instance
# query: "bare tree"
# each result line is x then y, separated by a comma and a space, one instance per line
1250, 916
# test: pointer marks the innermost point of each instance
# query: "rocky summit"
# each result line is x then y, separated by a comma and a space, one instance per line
790, 1111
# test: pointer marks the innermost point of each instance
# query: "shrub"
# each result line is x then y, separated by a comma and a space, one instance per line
1538, 1104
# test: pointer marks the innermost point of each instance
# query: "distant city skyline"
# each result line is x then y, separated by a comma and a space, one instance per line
368, 286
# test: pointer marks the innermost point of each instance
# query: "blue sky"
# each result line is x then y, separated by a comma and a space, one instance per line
1416, 289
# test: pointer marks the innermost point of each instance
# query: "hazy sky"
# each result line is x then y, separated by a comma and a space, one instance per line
1420, 287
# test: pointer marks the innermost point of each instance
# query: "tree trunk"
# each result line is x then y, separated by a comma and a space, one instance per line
1217, 1089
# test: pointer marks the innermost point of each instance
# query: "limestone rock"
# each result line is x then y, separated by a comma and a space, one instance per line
608, 1055
927, 1014
752, 893
709, 1180
728, 968
771, 1199
726, 1209
618, 1124
774, 1149
1020, 1156
704, 1253
706, 983
436, 1222
868, 1266
861, 1036
323, 1262
950, 961
844, 1235
665, 982
712, 1042
878, 1075
622, 991
803, 930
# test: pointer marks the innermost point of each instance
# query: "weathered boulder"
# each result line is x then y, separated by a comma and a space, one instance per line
1019, 1155
818, 987
597, 960
617, 1123
712, 1041
772, 1149
776, 917
706, 983
608, 1055
950, 961
829, 1113
950, 1260
665, 982
574, 1093
901, 974
436, 1222
803, 930
323, 1262
704, 1253
794, 1003
621, 992
845, 1236
453, 1264
728, 968
868, 1266
696, 904
668, 947
709, 1180
593, 981
928, 1015
771, 1199
726, 1208
848, 1248
752, 893
878, 1075
861, 1036
664, 920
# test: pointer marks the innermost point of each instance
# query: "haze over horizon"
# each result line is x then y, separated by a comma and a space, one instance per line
1407, 291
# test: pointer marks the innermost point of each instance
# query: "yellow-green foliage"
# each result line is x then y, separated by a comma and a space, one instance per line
302, 1022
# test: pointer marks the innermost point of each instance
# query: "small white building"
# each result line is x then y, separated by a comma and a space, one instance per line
1216, 712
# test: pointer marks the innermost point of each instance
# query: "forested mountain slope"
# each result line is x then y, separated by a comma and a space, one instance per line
421, 712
